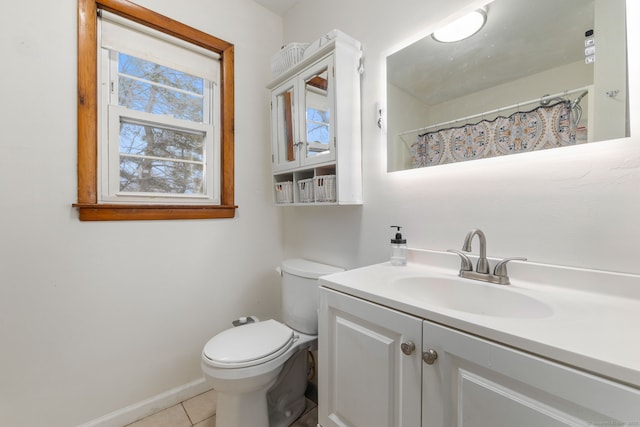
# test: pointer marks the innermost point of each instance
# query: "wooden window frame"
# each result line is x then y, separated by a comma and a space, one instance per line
87, 205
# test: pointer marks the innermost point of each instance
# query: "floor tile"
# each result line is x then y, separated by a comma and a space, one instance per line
202, 406
310, 419
310, 404
200, 411
209, 422
174, 416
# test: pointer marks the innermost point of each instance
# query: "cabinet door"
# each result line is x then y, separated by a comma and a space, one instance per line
317, 115
285, 140
478, 383
366, 380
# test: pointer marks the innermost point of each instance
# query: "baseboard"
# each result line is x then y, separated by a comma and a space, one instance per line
147, 407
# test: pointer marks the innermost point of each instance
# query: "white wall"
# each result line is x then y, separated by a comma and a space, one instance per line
98, 316
575, 206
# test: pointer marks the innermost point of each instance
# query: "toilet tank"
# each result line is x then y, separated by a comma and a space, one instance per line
300, 293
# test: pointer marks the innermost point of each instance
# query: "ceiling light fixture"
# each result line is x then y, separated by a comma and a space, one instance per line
461, 28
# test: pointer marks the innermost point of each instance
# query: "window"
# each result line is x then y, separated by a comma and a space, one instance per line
155, 117
157, 103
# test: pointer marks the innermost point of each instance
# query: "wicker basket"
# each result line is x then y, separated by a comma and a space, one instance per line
287, 57
325, 188
306, 190
284, 192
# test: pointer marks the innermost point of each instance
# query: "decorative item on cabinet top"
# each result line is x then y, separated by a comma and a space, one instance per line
287, 57
306, 134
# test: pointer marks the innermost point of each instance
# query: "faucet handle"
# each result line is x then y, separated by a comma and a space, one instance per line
501, 267
465, 264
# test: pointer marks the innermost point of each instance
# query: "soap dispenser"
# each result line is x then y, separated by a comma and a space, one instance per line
398, 248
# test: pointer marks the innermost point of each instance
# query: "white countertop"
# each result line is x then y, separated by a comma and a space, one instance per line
595, 324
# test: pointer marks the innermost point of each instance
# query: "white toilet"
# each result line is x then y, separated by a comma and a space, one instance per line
260, 369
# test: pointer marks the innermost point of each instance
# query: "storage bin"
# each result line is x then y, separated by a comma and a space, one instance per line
324, 187
306, 190
284, 192
287, 57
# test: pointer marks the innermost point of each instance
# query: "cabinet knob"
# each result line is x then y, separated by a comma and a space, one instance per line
429, 356
407, 347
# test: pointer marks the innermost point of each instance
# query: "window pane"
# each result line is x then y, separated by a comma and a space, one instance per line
148, 140
153, 88
145, 175
317, 131
159, 160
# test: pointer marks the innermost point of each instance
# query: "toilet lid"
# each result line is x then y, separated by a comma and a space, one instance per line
250, 344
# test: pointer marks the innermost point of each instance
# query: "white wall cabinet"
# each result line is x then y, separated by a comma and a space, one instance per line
366, 379
315, 126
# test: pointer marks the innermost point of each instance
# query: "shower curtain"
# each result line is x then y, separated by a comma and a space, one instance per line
538, 129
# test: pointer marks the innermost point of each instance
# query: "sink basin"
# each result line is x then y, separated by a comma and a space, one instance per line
471, 297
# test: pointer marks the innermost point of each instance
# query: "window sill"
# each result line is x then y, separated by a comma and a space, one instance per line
113, 212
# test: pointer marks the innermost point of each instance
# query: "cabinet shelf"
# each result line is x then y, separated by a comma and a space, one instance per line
315, 186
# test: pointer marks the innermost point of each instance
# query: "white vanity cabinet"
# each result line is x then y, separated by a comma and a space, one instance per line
315, 126
365, 378
476, 382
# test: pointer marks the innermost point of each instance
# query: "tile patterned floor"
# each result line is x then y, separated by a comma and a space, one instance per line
200, 411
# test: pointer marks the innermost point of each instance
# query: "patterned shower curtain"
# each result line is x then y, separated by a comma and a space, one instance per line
538, 129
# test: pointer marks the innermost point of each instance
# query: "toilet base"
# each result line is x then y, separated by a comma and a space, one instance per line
286, 400
242, 409
277, 402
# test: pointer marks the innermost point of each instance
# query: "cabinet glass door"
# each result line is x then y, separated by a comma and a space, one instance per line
285, 147
318, 132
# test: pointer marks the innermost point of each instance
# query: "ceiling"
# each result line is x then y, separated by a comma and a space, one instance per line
277, 6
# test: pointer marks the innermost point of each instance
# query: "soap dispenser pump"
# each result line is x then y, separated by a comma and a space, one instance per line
398, 248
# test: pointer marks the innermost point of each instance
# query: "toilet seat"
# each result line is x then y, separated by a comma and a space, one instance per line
229, 349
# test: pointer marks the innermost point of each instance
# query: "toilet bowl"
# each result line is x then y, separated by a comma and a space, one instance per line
260, 369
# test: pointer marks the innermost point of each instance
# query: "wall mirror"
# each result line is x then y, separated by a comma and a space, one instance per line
528, 80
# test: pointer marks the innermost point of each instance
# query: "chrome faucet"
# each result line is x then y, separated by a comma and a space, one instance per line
483, 264
499, 275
